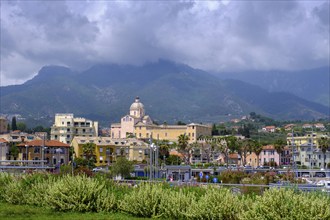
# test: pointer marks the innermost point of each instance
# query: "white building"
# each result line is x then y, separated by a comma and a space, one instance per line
66, 127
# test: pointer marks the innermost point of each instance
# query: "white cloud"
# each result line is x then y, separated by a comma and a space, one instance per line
212, 35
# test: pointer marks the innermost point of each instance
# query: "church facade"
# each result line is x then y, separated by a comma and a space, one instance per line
138, 124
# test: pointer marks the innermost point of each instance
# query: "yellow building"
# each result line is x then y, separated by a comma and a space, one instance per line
108, 149
139, 125
306, 150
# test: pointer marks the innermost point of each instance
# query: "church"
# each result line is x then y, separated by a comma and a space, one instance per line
138, 124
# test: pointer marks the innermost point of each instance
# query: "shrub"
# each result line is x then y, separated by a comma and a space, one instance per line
287, 204
215, 204
174, 204
230, 176
5, 179
14, 192
81, 194
143, 201
83, 171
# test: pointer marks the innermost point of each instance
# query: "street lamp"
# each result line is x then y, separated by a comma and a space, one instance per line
26, 154
153, 160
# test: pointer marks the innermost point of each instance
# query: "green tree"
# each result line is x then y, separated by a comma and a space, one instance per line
173, 160
245, 146
89, 154
226, 145
256, 148
164, 148
122, 167
180, 123
324, 145
215, 131
184, 148
81, 162
13, 124
21, 126
279, 147
13, 150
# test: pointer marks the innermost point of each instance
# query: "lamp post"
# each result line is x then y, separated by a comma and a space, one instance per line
72, 161
26, 154
153, 161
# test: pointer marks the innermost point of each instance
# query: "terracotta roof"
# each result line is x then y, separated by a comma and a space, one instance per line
268, 147
234, 156
2, 140
48, 143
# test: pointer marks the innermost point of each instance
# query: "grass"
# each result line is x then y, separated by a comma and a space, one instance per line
24, 212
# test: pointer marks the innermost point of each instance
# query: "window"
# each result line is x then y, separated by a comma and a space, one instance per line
68, 136
84, 130
165, 134
36, 150
264, 152
101, 149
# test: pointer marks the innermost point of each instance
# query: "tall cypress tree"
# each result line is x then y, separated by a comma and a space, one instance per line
13, 124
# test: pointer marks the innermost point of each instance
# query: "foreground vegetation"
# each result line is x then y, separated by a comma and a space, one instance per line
103, 199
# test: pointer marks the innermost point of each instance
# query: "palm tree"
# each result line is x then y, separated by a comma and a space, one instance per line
324, 144
184, 148
279, 147
226, 145
245, 146
164, 147
256, 148
88, 150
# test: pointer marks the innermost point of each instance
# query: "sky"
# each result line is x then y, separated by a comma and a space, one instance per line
214, 36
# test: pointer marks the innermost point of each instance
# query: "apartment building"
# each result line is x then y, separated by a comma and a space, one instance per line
306, 150
108, 149
66, 127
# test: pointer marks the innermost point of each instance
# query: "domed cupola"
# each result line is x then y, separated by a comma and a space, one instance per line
137, 108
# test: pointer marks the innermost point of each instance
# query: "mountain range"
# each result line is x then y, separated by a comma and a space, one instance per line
170, 91
311, 84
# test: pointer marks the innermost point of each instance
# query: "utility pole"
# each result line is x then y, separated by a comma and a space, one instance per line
293, 145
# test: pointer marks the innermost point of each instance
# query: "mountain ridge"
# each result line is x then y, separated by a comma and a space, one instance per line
170, 91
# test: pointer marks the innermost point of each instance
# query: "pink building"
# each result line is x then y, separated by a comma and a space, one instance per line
269, 154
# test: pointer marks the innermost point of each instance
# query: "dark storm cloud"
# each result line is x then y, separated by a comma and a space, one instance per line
212, 35
322, 12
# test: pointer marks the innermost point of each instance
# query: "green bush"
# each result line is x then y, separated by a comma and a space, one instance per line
143, 201
174, 204
81, 194
216, 204
14, 192
5, 179
288, 204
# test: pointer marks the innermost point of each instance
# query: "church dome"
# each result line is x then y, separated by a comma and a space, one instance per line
137, 105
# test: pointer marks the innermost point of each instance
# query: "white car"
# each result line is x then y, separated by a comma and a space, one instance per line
97, 169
